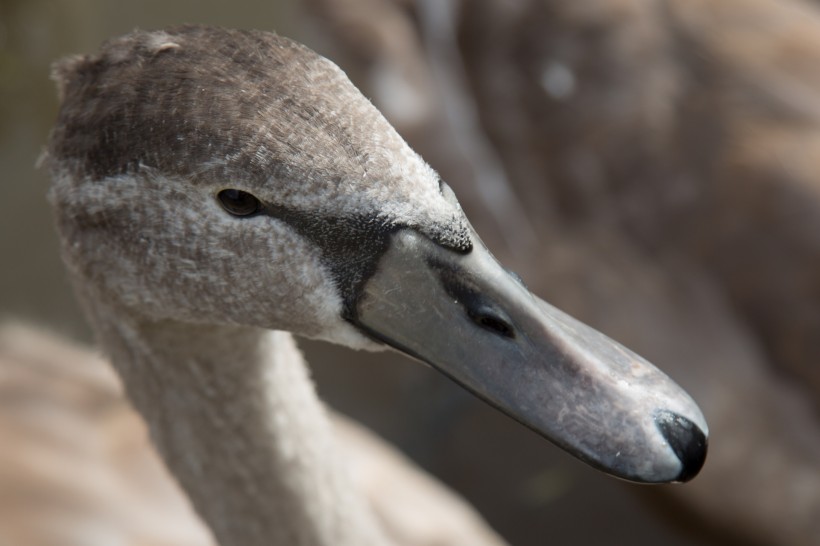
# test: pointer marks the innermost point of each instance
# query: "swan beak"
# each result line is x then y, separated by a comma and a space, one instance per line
477, 323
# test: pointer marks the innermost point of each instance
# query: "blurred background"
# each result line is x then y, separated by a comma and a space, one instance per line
652, 167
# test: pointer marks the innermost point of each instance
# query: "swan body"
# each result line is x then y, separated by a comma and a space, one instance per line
216, 188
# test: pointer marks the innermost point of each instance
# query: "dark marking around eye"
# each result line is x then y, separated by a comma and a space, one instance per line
350, 245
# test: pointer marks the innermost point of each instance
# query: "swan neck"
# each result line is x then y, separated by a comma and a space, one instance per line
237, 420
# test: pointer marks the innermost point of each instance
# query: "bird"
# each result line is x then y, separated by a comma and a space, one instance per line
216, 191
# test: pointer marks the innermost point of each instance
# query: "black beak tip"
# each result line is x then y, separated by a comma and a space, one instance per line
686, 439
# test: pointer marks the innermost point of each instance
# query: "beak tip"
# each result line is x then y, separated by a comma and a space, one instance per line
686, 439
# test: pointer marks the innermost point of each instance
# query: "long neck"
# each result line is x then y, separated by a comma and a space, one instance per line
237, 420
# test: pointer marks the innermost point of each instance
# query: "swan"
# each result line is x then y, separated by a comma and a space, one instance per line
217, 190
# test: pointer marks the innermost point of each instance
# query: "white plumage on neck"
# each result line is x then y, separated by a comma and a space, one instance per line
237, 420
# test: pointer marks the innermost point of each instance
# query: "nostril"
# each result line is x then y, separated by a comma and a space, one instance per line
493, 323
478, 307
686, 439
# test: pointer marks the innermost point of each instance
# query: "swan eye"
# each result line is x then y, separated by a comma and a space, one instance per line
239, 203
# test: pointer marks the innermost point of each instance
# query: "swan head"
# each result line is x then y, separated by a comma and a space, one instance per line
229, 177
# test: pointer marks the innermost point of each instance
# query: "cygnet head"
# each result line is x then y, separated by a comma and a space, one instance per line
214, 176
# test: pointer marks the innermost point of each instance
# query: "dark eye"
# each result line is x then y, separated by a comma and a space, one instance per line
239, 203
